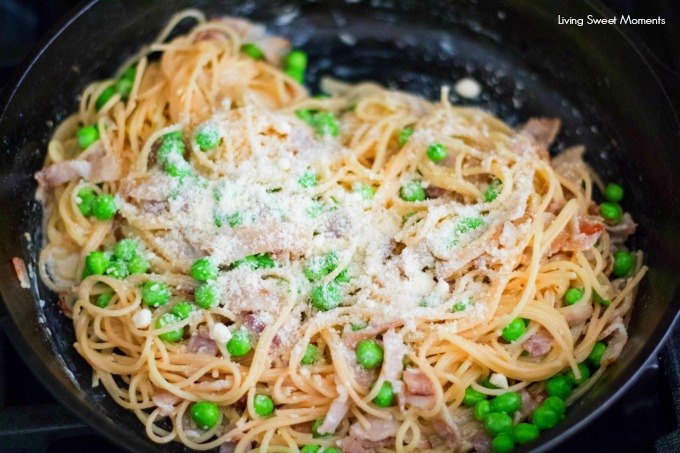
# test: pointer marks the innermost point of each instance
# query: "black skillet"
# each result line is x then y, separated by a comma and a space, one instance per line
599, 79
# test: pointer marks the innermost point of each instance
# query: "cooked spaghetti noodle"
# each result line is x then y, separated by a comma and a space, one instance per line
370, 263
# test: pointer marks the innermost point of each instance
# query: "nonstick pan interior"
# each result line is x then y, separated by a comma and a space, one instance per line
591, 77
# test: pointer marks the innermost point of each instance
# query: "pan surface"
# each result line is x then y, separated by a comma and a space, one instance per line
594, 78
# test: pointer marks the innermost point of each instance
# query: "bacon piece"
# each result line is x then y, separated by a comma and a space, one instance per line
617, 330
542, 130
569, 164
417, 383
531, 399
619, 233
436, 192
351, 445
227, 447
22, 273
395, 350
378, 429
254, 323
447, 429
165, 401
201, 343
215, 386
63, 172
105, 167
579, 235
336, 412
576, 313
351, 339
539, 343
481, 442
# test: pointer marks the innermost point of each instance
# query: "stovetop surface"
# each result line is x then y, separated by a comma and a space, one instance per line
644, 419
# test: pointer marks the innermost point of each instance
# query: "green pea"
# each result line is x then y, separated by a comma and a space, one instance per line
308, 179
385, 396
104, 299
493, 190
404, 135
463, 305
544, 418
623, 264
472, 397
204, 270
315, 429
573, 295
585, 375
600, 300
264, 406
239, 344
182, 310
332, 450
130, 73
325, 124
138, 265
105, 97
123, 87
463, 226
343, 276
97, 263
523, 433
86, 196
264, 261
297, 59
610, 211
205, 414
316, 268
497, 423
117, 269
104, 207
436, 152
155, 294
252, 51
310, 448
613, 192
508, 403
87, 136
557, 405
296, 74
311, 355
172, 147
559, 386
503, 443
514, 330
174, 335
326, 297
207, 137
412, 191
305, 115
178, 167
369, 354
125, 249
206, 296
595, 356
482, 410
361, 326
365, 191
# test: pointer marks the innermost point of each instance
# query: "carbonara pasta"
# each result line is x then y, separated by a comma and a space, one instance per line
254, 268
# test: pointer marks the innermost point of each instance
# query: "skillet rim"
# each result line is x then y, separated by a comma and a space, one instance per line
88, 413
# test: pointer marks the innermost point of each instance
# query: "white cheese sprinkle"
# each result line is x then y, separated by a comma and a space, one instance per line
499, 380
142, 318
220, 333
468, 88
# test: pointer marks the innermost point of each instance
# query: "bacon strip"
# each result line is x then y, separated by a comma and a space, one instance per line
22, 274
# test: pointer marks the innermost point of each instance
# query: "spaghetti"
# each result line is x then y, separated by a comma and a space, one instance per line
254, 268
